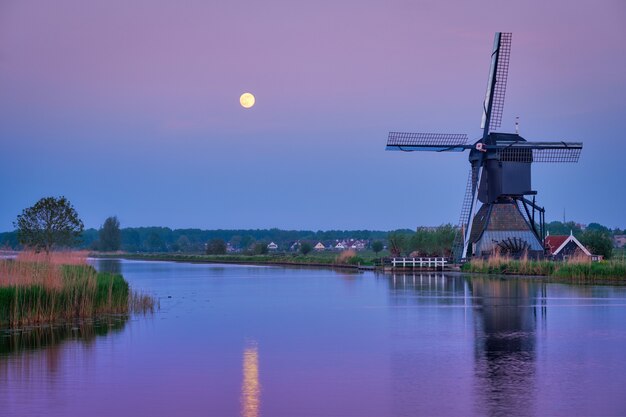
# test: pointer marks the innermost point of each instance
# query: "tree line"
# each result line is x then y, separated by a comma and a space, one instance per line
53, 222
425, 241
164, 239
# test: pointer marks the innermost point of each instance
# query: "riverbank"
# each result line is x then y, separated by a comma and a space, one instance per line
37, 289
329, 260
574, 271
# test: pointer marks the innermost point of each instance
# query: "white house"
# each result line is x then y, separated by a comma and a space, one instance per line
319, 247
272, 246
358, 245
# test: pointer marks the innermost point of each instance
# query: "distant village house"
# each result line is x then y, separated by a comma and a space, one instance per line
619, 241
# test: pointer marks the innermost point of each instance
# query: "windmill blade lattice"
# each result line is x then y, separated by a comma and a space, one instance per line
459, 235
502, 73
530, 152
438, 142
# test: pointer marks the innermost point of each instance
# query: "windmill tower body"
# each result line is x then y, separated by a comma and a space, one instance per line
498, 215
503, 222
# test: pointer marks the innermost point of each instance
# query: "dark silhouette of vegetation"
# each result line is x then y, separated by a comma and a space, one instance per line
216, 247
598, 227
305, 248
246, 242
154, 243
110, 237
183, 244
433, 242
397, 243
50, 223
598, 242
259, 248
423, 242
559, 228
377, 246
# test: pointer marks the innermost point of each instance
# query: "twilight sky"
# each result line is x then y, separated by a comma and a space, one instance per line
132, 108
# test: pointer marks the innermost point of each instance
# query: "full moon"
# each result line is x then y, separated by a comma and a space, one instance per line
246, 100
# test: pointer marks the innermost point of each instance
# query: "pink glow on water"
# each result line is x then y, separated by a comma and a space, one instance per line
239, 340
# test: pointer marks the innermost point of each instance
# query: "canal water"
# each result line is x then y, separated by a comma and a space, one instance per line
269, 341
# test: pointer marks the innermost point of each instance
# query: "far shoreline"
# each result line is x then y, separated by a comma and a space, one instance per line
266, 260
204, 259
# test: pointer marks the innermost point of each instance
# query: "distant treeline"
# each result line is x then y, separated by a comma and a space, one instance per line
164, 239
431, 240
560, 228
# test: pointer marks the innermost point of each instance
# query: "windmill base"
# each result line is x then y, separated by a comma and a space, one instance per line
500, 229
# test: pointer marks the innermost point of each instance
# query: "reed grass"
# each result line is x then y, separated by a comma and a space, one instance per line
40, 288
593, 270
349, 257
579, 268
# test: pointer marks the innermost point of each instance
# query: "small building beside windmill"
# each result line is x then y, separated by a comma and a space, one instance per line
563, 247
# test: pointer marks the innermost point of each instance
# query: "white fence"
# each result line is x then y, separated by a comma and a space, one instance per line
418, 262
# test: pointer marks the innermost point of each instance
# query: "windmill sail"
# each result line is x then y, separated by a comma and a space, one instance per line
496, 86
437, 142
540, 152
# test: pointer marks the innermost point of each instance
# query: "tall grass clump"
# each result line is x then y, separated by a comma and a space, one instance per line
42, 288
349, 257
498, 264
592, 270
579, 268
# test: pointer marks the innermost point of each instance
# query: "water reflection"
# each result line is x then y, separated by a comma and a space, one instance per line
250, 388
38, 359
113, 266
46, 337
429, 316
499, 318
505, 344
431, 344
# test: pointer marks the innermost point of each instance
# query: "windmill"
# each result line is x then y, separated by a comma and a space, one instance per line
498, 214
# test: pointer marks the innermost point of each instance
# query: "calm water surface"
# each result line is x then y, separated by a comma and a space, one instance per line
269, 341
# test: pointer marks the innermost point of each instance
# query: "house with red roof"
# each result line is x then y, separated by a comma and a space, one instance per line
563, 247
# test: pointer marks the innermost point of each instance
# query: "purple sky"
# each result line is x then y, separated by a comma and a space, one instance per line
131, 108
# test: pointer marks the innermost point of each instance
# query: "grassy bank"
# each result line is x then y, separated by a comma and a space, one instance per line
342, 259
37, 289
578, 270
